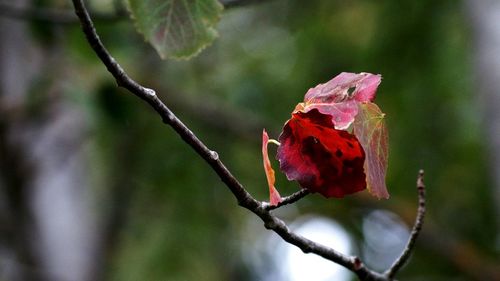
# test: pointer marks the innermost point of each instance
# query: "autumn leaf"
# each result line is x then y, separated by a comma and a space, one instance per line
176, 28
320, 157
319, 152
369, 127
342, 113
274, 196
339, 97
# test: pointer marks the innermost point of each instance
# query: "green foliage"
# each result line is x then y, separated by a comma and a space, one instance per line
176, 28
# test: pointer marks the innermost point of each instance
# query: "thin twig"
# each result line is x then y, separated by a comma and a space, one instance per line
417, 227
288, 199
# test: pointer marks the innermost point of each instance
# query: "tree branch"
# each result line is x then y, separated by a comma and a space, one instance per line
288, 199
417, 227
211, 157
61, 16
149, 96
57, 16
240, 3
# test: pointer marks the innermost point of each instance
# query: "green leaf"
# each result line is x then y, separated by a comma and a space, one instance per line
176, 28
369, 127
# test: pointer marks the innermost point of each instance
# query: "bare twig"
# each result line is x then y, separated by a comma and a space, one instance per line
417, 227
211, 157
288, 199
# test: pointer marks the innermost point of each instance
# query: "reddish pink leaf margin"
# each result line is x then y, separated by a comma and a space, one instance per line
369, 127
339, 96
274, 196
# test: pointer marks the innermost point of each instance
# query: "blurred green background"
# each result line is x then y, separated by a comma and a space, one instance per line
157, 212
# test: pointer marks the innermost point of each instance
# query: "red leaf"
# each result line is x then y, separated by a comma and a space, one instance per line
369, 127
342, 113
274, 196
321, 158
339, 96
